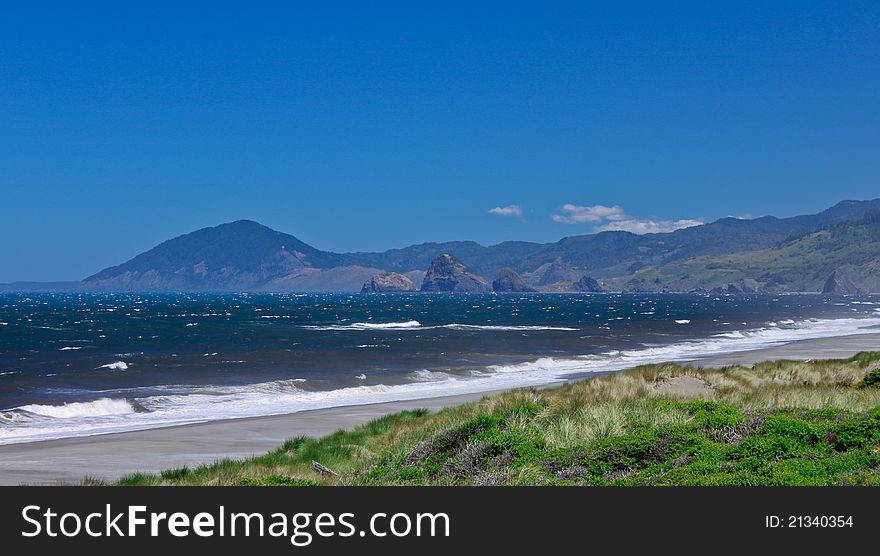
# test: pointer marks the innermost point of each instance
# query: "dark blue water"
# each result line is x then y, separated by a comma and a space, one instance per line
73, 364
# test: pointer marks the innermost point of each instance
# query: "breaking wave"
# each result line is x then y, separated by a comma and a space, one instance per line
416, 325
99, 408
116, 366
410, 324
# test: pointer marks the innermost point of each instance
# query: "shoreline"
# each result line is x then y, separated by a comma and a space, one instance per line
110, 456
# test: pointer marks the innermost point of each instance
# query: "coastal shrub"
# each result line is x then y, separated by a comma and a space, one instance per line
277, 480
526, 410
871, 379
856, 433
528, 450
718, 478
865, 358
642, 448
755, 452
409, 474
712, 415
797, 431
798, 472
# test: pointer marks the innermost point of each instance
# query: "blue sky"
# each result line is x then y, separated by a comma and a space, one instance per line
357, 127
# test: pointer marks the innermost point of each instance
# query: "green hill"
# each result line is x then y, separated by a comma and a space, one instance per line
801, 263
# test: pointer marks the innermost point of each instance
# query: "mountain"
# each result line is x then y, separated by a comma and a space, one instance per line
736, 255
241, 255
616, 253
558, 271
847, 253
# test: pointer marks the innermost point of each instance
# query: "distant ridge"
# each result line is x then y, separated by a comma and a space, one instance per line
240, 255
247, 256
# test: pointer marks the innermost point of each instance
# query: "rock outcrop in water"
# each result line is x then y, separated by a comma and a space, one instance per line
558, 271
744, 286
448, 274
388, 282
842, 282
510, 282
588, 284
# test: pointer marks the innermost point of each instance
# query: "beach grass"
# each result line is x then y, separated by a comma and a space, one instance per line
776, 423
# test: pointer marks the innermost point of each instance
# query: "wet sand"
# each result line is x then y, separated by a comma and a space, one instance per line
110, 456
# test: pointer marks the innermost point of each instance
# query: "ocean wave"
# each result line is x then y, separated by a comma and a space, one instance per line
424, 375
456, 326
408, 325
416, 325
206, 403
115, 366
99, 408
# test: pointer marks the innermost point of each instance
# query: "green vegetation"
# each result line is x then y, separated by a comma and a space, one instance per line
801, 263
778, 423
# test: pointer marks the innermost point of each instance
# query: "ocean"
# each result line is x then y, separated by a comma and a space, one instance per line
81, 364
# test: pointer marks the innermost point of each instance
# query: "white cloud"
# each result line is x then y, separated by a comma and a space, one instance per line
575, 214
509, 210
614, 218
647, 226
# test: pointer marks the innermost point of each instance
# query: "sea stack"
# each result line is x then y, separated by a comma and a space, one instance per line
448, 274
388, 282
588, 284
841, 282
509, 281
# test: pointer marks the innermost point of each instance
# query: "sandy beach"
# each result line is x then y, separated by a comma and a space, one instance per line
110, 456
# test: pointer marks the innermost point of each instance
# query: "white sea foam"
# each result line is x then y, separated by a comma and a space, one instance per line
408, 325
116, 366
99, 408
206, 403
456, 326
416, 325
66, 348
424, 375
683, 321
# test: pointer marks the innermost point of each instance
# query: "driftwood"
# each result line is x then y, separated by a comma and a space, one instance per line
323, 470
